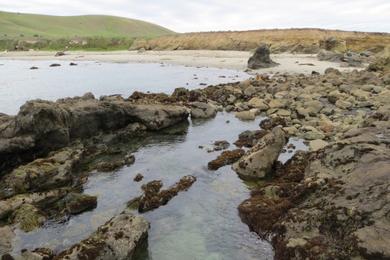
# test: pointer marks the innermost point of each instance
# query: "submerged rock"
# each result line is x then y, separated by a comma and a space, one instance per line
138, 177
261, 58
118, 239
258, 161
154, 197
226, 158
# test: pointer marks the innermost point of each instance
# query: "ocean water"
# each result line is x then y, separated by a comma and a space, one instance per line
18, 83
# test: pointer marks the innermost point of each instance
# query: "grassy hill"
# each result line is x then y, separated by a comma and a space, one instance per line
17, 25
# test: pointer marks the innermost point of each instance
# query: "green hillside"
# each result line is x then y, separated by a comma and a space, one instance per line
16, 26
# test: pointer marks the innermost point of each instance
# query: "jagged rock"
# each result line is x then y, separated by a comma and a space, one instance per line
261, 58
258, 161
226, 158
118, 239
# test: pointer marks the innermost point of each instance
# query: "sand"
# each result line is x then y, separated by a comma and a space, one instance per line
292, 63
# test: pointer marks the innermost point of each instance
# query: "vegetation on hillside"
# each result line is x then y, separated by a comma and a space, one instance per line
32, 31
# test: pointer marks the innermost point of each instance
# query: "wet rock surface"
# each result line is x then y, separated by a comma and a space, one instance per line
43, 126
328, 204
119, 238
259, 160
226, 158
154, 197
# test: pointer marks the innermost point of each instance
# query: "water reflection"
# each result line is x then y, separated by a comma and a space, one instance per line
202, 223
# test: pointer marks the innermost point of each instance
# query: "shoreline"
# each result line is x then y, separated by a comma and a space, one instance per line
235, 60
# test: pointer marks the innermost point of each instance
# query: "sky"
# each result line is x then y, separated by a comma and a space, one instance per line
217, 15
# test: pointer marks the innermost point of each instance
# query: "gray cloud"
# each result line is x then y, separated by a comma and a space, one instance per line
213, 15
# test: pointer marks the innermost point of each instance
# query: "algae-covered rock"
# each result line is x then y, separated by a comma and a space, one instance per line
118, 239
28, 217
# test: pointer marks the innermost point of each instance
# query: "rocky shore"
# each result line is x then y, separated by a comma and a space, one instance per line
328, 203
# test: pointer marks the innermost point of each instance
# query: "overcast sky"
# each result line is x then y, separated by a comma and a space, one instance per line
212, 15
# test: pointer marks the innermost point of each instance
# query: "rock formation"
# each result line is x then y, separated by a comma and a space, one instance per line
261, 58
258, 161
43, 126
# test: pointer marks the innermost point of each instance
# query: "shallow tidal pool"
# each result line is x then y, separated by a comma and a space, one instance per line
201, 223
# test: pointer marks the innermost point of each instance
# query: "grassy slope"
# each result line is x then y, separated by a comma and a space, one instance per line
13, 25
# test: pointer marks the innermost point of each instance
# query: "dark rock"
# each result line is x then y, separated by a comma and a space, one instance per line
221, 145
154, 197
42, 174
43, 126
59, 53
249, 138
138, 177
226, 158
261, 58
270, 123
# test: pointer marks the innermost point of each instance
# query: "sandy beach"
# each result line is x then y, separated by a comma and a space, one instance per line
292, 63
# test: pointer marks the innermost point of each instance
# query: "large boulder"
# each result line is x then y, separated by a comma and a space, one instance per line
261, 58
42, 174
43, 126
258, 161
118, 239
202, 110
